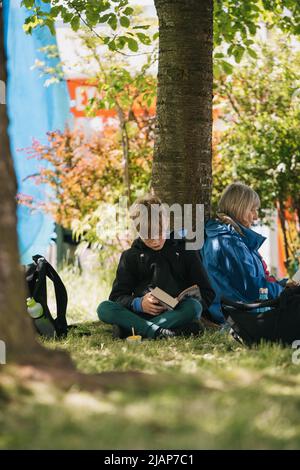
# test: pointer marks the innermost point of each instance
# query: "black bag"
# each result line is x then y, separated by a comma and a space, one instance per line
279, 324
36, 277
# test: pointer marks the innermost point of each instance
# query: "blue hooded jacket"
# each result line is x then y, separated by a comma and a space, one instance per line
234, 265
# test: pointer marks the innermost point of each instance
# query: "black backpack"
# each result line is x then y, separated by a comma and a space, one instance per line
36, 277
279, 324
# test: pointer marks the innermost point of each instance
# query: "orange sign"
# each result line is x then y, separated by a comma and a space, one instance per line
81, 92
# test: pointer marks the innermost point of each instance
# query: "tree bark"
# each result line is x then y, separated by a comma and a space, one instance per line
125, 151
183, 150
16, 329
281, 210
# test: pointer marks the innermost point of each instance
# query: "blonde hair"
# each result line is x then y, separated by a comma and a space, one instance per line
149, 216
236, 200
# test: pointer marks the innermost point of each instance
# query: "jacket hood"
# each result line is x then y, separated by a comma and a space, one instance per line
252, 239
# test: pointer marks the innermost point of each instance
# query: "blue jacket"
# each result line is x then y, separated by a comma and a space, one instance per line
234, 265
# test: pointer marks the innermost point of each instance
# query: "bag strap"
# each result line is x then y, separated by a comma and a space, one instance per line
39, 285
250, 306
40, 293
61, 299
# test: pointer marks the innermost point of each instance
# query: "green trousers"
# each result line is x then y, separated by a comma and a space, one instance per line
144, 324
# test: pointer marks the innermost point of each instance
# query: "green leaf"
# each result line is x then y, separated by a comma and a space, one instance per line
252, 53
149, 102
92, 17
218, 55
230, 50
128, 11
28, 19
104, 18
238, 53
227, 67
252, 28
142, 26
75, 23
121, 41
132, 44
217, 71
155, 36
124, 21
112, 45
55, 11
144, 38
113, 22
67, 16
27, 3
32, 23
50, 24
27, 29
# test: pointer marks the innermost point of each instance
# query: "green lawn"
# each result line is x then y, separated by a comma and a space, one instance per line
206, 392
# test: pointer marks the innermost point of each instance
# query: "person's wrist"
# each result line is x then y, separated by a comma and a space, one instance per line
137, 304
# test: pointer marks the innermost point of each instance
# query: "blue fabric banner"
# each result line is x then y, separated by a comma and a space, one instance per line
33, 110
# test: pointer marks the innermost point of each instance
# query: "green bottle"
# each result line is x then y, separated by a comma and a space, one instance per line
34, 309
42, 323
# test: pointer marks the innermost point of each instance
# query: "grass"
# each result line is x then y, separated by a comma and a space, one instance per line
207, 392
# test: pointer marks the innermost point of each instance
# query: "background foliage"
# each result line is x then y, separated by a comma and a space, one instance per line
260, 105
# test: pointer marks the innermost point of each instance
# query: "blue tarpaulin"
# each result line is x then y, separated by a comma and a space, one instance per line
33, 110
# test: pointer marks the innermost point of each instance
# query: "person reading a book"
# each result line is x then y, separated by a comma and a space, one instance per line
159, 264
230, 252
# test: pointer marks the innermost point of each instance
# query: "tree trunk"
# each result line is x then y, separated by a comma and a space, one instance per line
183, 149
281, 213
125, 151
15, 326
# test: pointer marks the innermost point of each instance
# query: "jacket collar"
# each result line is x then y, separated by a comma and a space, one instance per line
251, 238
215, 227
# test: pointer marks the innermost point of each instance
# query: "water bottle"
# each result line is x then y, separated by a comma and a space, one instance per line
42, 323
263, 295
34, 308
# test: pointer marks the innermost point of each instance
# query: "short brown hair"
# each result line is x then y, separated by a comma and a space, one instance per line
147, 213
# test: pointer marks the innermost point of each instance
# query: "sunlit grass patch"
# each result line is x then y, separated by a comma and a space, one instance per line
203, 392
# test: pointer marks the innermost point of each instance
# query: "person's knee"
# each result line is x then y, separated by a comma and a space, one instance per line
104, 311
195, 308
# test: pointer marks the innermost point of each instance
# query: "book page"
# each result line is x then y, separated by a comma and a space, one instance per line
192, 291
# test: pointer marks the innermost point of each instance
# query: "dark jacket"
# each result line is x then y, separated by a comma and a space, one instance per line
172, 268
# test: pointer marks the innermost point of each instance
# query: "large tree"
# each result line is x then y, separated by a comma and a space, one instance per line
182, 157
15, 327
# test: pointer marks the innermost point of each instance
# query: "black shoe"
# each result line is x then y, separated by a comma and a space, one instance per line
194, 328
118, 332
164, 333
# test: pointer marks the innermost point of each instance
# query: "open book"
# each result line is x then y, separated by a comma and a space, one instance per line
170, 302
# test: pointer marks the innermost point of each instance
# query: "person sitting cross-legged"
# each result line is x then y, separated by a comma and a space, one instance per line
155, 262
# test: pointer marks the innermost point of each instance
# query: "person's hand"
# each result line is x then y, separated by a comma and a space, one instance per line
151, 305
292, 283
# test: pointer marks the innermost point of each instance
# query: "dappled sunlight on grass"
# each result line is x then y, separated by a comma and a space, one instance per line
204, 392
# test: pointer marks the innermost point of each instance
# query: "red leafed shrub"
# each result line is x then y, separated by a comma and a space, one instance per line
81, 172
